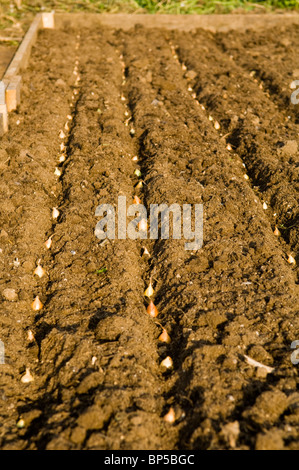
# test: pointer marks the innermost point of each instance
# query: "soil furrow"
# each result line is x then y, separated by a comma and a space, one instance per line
276, 68
102, 386
28, 191
253, 127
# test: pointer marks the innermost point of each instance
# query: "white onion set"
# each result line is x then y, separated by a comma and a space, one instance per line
30, 336
143, 226
167, 363
55, 213
149, 292
49, 242
27, 377
39, 271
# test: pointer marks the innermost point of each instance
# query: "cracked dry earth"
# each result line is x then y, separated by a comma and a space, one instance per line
210, 119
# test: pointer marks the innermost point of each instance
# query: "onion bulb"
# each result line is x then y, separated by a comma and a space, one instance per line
142, 226
217, 126
277, 232
291, 260
62, 135
170, 417
149, 291
36, 304
39, 271
55, 213
167, 363
146, 252
30, 336
136, 200
152, 310
48, 243
27, 378
164, 337
20, 424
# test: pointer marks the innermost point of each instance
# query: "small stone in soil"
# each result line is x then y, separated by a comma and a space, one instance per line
10, 295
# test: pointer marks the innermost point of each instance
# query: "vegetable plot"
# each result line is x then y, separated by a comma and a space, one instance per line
141, 344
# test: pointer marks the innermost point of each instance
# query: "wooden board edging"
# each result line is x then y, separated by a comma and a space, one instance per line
11, 81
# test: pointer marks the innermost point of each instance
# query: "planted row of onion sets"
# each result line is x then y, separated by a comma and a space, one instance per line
152, 311
290, 258
39, 271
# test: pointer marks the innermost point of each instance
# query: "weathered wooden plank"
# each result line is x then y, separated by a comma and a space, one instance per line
21, 58
13, 93
10, 86
48, 20
3, 110
178, 22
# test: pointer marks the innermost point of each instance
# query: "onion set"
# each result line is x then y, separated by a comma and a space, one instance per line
48, 243
167, 363
152, 310
36, 304
27, 377
164, 337
142, 226
277, 232
149, 291
170, 417
39, 271
136, 200
55, 213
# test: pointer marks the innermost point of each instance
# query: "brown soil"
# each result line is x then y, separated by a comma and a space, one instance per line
6, 54
95, 357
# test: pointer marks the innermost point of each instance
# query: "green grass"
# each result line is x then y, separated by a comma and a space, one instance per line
10, 14
149, 6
